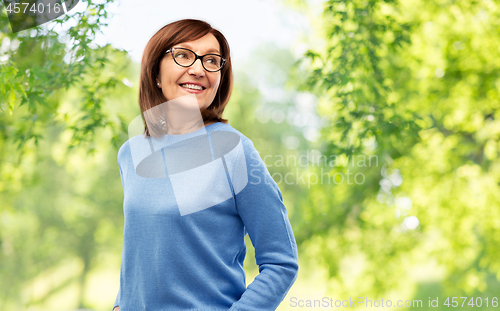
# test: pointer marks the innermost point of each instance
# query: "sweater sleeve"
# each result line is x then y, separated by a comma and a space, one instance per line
117, 300
260, 206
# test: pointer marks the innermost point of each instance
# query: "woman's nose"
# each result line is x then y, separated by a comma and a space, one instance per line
197, 69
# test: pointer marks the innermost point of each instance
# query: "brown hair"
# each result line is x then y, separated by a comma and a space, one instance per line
174, 33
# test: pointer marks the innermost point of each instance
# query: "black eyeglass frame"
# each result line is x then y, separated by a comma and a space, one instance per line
196, 57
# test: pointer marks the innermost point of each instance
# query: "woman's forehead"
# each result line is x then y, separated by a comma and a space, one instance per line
206, 44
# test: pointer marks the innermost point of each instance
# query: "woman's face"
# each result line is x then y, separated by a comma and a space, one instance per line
173, 78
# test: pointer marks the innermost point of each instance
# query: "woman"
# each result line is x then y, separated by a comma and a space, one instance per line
205, 187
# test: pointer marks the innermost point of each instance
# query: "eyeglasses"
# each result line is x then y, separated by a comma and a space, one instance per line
186, 58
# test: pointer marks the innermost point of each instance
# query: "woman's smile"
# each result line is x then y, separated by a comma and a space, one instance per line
193, 87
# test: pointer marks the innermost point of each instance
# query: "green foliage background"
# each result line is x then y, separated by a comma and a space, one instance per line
412, 85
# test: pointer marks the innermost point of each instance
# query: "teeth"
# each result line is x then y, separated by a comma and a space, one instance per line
192, 86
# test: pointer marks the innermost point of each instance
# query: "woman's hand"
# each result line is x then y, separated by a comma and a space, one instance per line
116, 309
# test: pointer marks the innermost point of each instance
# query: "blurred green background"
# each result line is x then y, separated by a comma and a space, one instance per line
382, 133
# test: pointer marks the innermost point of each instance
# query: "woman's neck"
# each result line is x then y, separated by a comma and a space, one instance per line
184, 127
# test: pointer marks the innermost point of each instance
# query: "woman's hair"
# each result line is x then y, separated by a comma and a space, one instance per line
174, 33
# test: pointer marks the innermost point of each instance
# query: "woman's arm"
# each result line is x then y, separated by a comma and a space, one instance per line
265, 217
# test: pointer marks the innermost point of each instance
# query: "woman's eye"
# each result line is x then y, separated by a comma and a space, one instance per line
180, 55
212, 60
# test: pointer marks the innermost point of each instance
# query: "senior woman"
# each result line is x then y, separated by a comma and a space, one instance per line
185, 222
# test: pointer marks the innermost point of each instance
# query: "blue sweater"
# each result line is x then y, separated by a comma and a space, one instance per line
185, 223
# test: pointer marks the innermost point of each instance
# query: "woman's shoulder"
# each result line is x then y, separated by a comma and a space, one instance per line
221, 126
124, 150
247, 143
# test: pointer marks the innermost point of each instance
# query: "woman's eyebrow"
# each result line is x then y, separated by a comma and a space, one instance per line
212, 50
